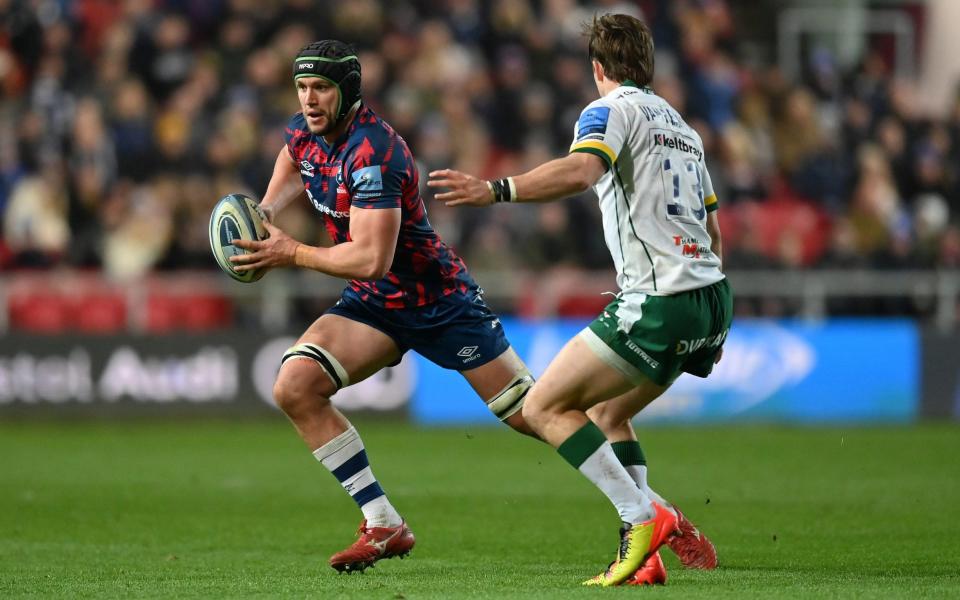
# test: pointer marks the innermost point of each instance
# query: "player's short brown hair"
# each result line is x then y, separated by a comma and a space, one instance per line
623, 45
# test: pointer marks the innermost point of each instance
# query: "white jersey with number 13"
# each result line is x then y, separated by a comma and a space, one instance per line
655, 195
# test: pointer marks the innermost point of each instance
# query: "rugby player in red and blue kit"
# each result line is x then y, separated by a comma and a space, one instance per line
407, 289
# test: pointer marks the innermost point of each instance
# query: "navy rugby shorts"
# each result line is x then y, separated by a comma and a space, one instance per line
457, 332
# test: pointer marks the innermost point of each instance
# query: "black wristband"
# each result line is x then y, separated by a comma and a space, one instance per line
497, 190
501, 190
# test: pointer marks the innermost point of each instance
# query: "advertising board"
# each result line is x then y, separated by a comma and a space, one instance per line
837, 371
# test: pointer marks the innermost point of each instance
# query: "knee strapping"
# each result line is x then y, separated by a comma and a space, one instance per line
328, 362
509, 400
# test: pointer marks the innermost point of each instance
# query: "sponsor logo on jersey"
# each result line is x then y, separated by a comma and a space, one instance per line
690, 246
367, 182
676, 142
593, 123
307, 169
336, 214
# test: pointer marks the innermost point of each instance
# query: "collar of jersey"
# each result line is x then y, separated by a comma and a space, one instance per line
632, 83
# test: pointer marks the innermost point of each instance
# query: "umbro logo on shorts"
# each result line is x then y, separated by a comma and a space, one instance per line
469, 353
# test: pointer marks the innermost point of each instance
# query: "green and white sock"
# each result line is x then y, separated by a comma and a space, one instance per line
631, 456
588, 451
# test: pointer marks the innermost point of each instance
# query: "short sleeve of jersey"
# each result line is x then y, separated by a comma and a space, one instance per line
375, 172
294, 132
600, 130
709, 196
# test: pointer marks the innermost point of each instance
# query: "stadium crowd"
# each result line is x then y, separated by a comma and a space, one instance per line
123, 122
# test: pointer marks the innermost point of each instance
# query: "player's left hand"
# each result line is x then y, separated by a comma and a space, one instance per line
464, 189
278, 250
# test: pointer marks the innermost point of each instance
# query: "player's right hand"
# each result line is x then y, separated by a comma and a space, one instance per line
464, 189
278, 250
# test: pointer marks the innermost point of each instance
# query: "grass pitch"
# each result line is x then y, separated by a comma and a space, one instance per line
210, 509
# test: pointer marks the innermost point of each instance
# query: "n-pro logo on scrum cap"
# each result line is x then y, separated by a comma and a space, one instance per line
305, 66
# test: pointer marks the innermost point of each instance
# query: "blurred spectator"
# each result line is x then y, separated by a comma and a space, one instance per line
123, 122
35, 222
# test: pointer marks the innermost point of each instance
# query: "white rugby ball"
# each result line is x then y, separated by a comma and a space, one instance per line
236, 217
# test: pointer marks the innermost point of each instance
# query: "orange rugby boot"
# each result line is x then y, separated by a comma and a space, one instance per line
651, 573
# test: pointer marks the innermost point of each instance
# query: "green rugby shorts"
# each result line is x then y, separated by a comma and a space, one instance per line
660, 337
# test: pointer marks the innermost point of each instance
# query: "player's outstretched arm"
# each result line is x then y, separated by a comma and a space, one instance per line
284, 186
553, 180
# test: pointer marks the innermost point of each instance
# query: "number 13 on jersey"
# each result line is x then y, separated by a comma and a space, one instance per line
683, 189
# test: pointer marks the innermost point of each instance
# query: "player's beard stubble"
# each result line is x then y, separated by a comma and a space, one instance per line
324, 129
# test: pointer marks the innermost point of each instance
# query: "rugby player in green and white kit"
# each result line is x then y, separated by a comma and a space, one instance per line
674, 308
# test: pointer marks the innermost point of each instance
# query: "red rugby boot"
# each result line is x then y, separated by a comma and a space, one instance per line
693, 548
373, 544
651, 573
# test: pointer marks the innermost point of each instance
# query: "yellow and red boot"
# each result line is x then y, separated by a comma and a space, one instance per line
637, 543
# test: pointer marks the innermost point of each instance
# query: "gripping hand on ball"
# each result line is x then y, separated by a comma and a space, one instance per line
464, 189
278, 250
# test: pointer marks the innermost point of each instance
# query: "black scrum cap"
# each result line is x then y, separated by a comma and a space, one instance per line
336, 62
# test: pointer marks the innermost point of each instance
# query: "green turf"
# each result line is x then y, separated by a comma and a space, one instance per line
216, 509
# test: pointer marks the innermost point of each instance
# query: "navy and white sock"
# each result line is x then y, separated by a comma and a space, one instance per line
346, 458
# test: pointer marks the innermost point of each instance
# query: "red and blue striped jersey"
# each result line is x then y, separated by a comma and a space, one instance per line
371, 167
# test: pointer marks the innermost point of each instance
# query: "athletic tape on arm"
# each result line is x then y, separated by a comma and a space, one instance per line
327, 362
509, 400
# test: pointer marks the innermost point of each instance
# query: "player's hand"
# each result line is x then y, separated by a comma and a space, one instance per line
278, 250
464, 189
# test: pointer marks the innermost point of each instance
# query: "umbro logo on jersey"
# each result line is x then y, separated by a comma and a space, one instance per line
307, 169
676, 142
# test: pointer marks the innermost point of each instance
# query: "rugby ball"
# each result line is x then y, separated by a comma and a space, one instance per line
236, 217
